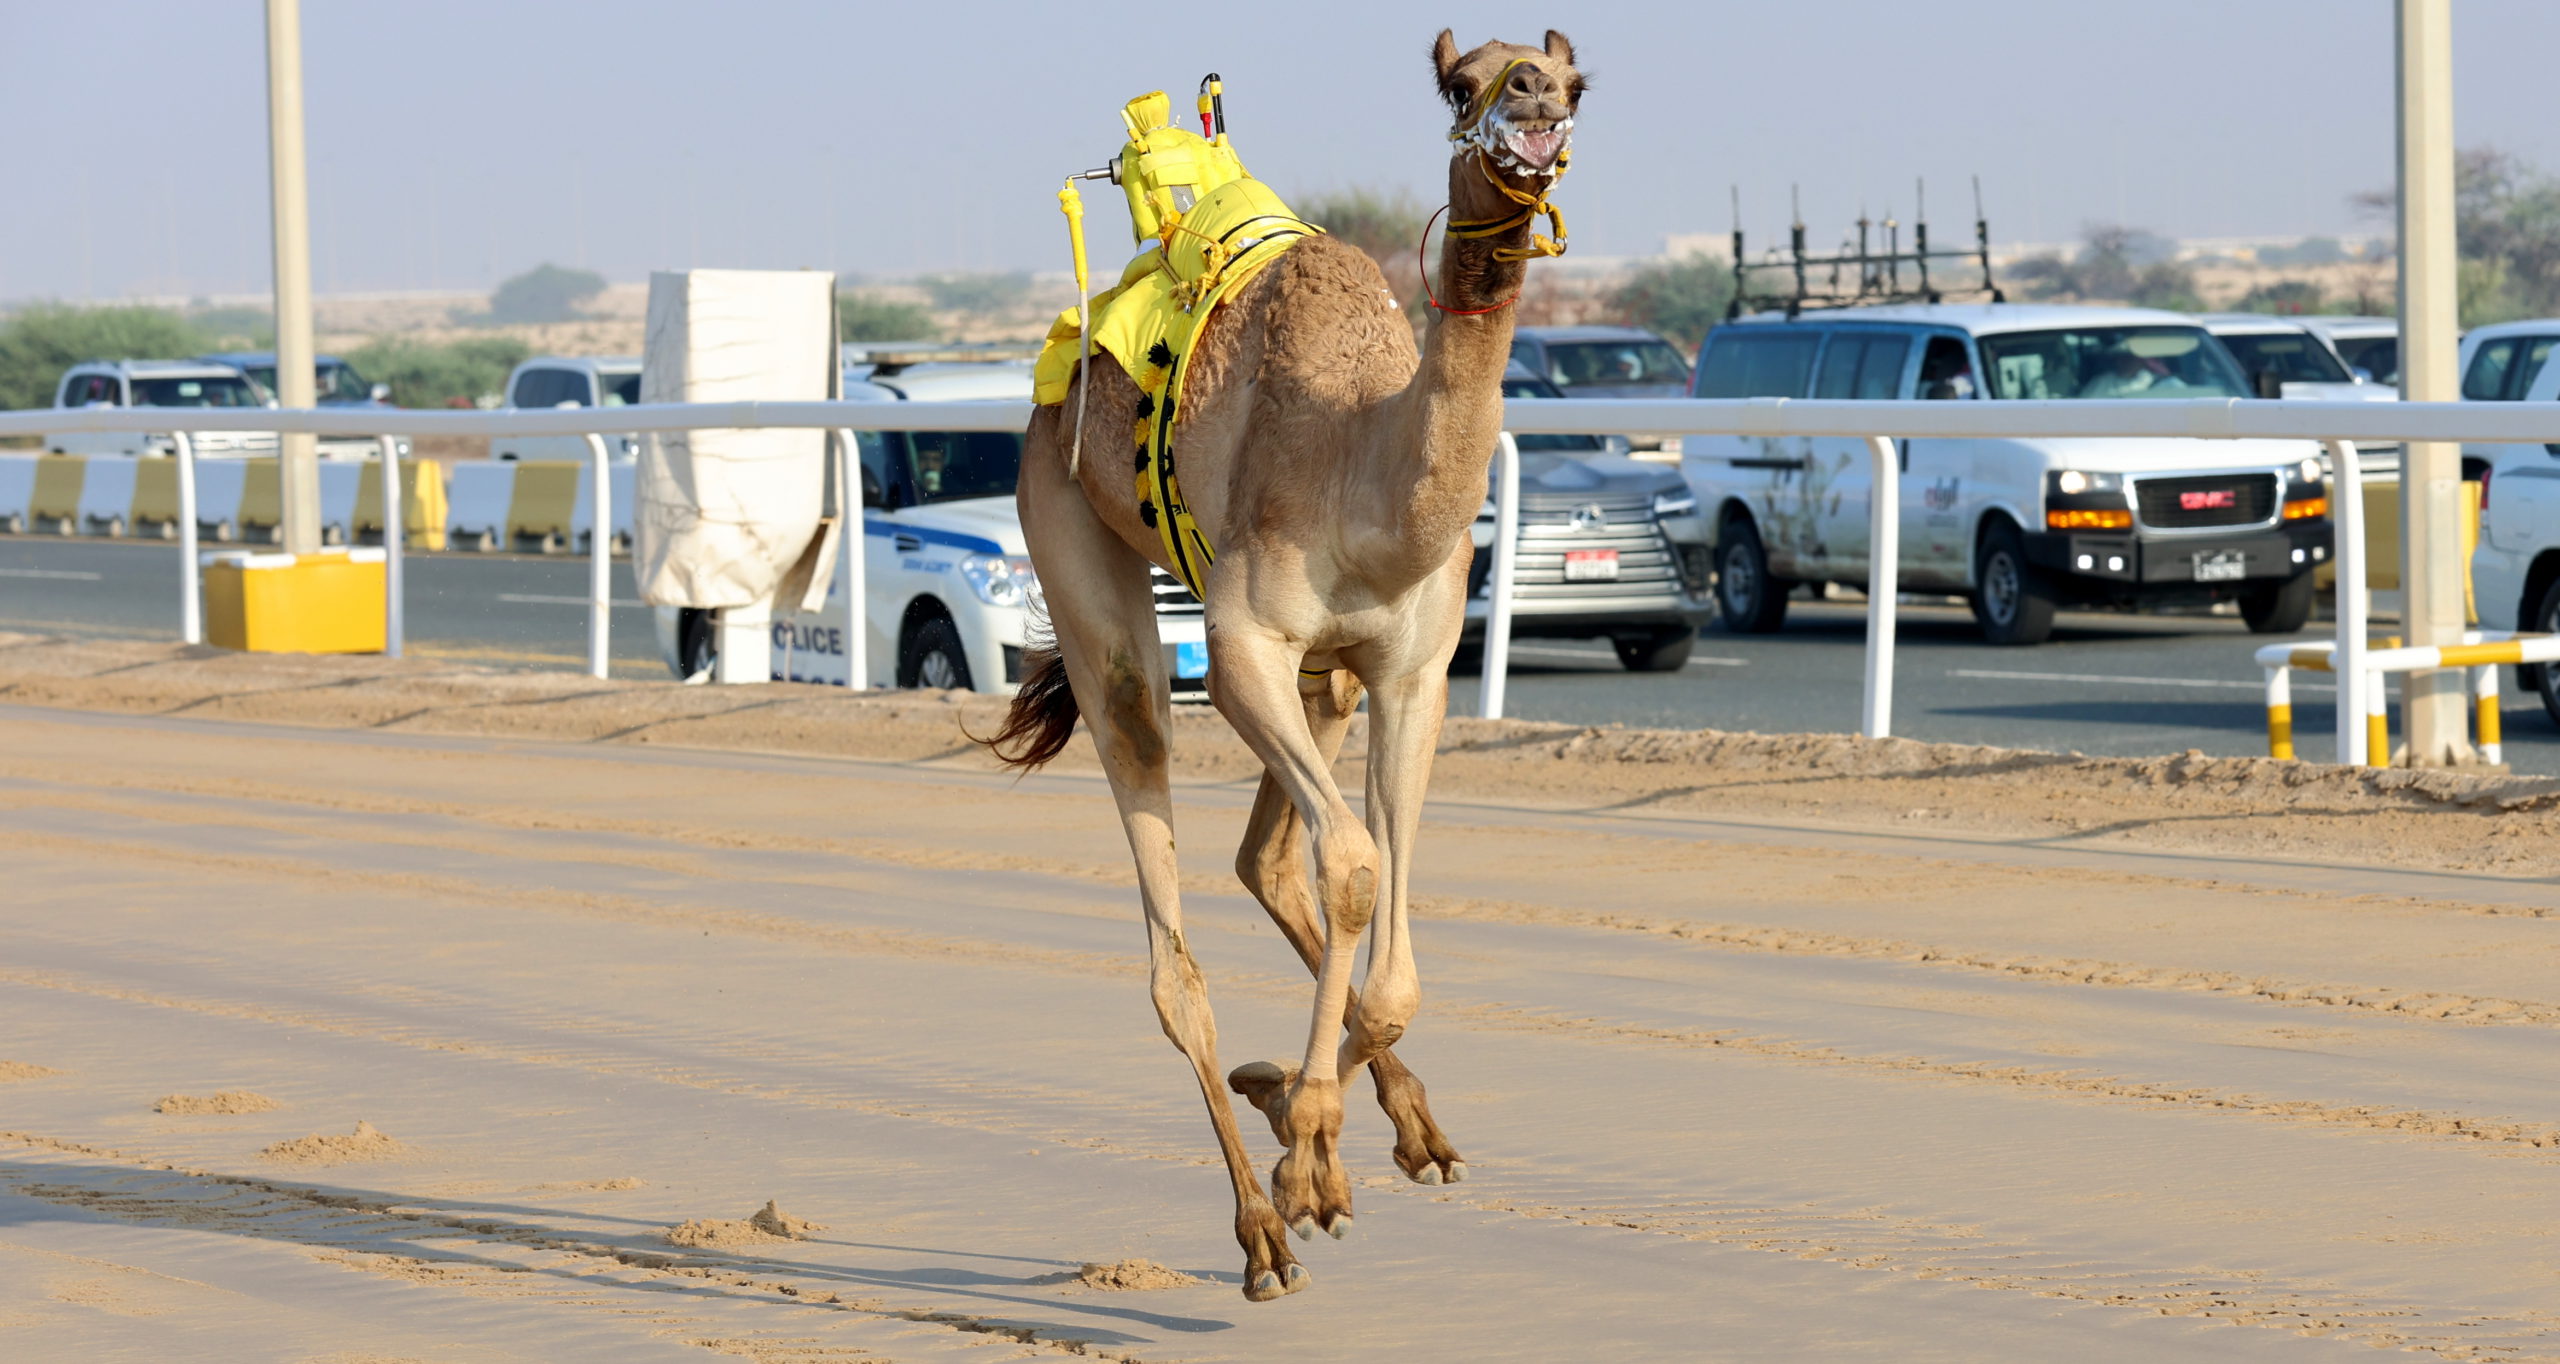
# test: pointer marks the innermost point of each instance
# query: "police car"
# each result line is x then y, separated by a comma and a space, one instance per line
2515, 573
2018, 527
948, 576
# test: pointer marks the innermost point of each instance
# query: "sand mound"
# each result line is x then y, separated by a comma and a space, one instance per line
23, 1070
367, 1142
1132, 1276
227, 1101
768, 1225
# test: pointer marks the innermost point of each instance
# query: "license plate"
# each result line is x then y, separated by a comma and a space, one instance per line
2221, 566
1590, 565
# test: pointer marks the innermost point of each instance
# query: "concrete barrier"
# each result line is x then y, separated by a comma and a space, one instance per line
17, 490
477, 496
544, 505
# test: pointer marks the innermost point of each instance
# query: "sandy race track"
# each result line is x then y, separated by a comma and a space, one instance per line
366, 1011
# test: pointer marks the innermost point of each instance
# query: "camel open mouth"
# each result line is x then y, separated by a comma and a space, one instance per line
1537, 148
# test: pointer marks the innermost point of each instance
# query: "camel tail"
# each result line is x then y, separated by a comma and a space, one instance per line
1043, 715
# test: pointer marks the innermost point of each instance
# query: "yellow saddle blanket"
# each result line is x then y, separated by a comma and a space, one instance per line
1148, 323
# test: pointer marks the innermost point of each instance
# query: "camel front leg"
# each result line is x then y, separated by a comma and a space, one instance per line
1252, 678
1404, 730
1272, 864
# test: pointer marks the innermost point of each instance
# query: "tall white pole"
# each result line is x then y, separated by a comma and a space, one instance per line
295, 379
1884, 584
190, 574
2346, 519
600, 562
1506, 553
393, 532
2430, 471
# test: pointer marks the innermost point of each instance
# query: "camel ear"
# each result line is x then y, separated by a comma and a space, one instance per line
1560, 47
1444, 55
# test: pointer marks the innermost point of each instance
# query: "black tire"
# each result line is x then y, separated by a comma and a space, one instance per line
932, 657
697, 644
2545, 679
1751, 600
2280, 609
1660, 651
2011, 597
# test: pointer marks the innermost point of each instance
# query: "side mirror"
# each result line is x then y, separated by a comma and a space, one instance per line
2362, 375
382, 393
872, 496
2270, 384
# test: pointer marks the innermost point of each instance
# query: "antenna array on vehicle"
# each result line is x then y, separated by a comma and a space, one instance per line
1890, 275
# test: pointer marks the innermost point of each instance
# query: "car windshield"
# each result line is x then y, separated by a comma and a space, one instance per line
341, 381
1609, 364
2377, 356
1530, 388
950, 465
2293, 357
620, 390
2111, 362
227, 390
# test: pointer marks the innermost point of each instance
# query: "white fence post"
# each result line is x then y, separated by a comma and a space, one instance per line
853, 578
392, 535
2346, 521
190, 574
1506, 552
1884, 584
600, 563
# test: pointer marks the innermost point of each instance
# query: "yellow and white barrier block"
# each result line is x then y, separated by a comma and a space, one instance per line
540, 504
2480, 654
331, 602
115, 495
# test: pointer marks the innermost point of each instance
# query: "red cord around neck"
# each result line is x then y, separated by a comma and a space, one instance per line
1420, 265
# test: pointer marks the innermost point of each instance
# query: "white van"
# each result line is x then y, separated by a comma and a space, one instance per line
549, 381
948, 575
2515, 573
2019, 527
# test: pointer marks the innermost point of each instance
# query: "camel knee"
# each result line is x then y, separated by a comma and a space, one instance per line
1181, 997
1347, 859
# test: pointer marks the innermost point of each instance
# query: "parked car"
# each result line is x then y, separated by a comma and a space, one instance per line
2502, 361
1604, 362
2018, 527
570, 381
158, 383
2284, 359
338, 385
1610, 548
2515, 572
949, 578
2368, 346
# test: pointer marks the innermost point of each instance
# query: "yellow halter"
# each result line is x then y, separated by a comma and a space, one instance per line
1475, 137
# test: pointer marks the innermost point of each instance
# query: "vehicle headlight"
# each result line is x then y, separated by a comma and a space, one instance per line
1001, 579
2308, 471
2073, 482
1677, 501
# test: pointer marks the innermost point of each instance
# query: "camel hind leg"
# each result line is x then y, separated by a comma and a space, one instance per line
1272, 864
1103, 610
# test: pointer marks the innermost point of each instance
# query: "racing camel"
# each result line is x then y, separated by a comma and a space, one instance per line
1336, 471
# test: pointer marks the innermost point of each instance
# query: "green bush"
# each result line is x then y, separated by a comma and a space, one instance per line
1386, 224
869, 317
38, 343
545, 293
1680, 299
2292, 297
456, 373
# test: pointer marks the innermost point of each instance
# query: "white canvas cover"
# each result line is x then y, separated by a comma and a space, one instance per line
721, 514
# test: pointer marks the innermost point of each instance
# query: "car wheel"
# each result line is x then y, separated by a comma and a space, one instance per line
933, 658
2546, 620
697, 650
2280, 609
1660, 651
1752, 601
2011, 597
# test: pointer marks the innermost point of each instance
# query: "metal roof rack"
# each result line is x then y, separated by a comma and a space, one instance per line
1891, 275
888, 358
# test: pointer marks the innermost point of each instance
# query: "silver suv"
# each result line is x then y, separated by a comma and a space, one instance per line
158, 383
1610, 548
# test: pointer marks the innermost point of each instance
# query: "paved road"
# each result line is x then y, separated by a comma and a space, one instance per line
2105, 684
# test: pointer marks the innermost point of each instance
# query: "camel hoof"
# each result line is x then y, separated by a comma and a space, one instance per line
1297, 1277
1265, 1287
1457, 1171
1305, 1226
1339, 1227
1430, 1174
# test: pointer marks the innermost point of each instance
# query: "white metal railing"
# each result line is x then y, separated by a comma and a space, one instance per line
2335, 424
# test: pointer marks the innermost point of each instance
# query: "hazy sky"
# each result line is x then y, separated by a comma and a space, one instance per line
458, 142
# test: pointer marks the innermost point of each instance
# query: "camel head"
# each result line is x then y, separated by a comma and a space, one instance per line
1511, 106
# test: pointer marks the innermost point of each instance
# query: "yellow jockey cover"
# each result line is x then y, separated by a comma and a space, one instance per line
1149, 322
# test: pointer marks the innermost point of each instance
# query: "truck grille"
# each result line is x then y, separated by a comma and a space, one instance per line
2205, 500
1551, 523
